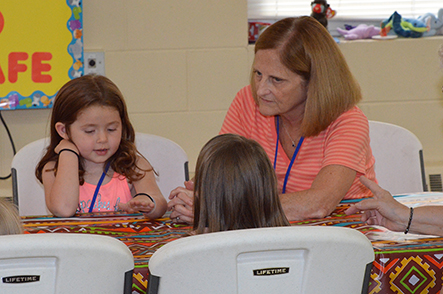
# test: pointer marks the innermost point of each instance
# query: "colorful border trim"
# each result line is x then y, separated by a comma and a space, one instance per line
38, 99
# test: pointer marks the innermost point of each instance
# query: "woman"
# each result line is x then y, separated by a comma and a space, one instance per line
301, 107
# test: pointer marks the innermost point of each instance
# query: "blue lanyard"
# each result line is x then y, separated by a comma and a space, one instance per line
98, 187
293, 156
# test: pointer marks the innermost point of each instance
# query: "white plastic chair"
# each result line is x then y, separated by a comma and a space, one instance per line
302, 259
168, 159
64, 263
27, 192
398, 153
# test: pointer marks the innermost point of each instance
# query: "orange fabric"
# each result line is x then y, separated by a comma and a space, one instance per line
345, 142
109, 195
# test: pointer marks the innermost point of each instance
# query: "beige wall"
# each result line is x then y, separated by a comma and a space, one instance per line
180, 63
402, 84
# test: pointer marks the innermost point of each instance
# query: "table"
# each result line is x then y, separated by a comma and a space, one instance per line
403, 263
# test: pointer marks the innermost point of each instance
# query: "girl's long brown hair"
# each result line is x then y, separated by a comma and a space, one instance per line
235, 187
79, 94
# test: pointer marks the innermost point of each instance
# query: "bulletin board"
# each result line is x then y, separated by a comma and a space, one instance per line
41, 48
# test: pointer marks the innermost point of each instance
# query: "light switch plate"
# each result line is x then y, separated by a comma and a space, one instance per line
94, 63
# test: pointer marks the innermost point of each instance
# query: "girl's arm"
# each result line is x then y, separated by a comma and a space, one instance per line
149, 186
62, 190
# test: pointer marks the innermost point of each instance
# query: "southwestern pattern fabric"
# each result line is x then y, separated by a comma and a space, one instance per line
403, 263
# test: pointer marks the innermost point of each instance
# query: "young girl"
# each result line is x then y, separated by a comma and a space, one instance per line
92, 163
235, 187
10, 222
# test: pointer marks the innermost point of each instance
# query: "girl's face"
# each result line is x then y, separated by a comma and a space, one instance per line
279, 90
97, 133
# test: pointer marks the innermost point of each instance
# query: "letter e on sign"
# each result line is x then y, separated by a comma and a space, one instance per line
2, 22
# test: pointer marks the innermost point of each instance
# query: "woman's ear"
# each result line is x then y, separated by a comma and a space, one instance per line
61, 130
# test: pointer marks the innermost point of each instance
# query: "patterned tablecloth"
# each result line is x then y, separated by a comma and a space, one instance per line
403, 263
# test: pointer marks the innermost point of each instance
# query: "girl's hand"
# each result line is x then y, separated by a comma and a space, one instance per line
138, 204
66, 144
182, 204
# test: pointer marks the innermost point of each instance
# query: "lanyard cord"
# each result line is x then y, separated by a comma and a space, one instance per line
98, 187
288, 171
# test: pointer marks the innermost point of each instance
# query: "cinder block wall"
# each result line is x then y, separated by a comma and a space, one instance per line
180, 63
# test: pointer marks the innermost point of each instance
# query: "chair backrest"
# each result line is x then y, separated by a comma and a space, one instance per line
398, 153
302, 259
28, 193
64, 263
167, 158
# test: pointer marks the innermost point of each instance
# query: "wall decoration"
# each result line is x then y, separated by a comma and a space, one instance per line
41, 49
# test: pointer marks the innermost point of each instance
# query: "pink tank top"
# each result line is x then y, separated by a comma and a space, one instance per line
108, 197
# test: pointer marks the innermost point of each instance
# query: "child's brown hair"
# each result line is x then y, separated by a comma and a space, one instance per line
235, 187
75, 96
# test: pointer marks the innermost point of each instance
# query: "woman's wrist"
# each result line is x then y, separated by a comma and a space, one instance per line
398, 215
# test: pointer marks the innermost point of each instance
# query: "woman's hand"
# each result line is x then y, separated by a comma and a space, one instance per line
382, 209
182, 203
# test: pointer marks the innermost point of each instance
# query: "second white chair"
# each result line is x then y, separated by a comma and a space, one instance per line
398, 154
301, 259
168, 158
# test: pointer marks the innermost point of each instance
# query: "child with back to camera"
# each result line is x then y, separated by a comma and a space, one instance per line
91, 163
10, 221
235, 187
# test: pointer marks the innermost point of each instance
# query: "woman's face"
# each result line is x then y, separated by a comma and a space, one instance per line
279, 90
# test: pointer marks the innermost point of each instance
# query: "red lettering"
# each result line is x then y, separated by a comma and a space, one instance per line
37, 70
2, 76
38, 67
2, 22
15, 67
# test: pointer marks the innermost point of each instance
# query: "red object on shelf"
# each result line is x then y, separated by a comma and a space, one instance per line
255, 29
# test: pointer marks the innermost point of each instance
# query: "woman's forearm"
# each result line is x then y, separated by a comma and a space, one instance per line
427, 220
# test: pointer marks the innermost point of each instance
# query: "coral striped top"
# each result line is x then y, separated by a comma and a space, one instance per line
345, 142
